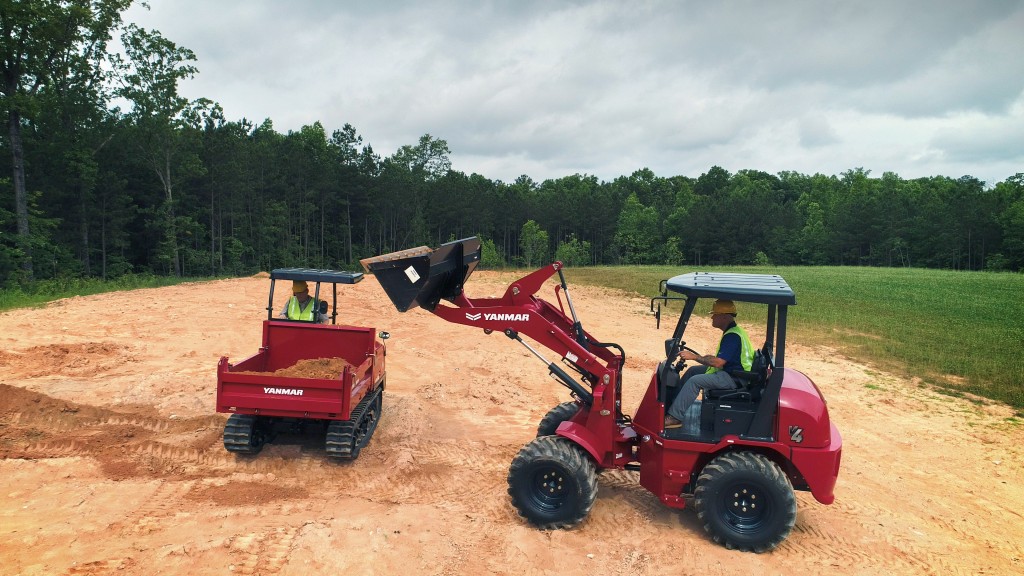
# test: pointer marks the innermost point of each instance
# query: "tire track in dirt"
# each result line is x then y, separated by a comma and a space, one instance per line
514, 560
823, 548
911, 550
153, 512
625, 485
265, 553
110, 566
468, 478
69, 421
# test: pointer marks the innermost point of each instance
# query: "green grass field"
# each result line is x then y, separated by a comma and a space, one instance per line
959, 331
49, 290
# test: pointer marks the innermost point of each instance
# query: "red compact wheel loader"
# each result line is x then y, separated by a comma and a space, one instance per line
269, 392
739, 454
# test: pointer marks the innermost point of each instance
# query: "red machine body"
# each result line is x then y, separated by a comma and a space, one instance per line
666, 466
262, 401
250, 386
740, 462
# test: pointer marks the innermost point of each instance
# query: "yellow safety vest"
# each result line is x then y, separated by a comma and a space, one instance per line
297, 312
746, 350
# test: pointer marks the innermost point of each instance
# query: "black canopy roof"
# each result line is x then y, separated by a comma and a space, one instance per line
758, 288
314, 275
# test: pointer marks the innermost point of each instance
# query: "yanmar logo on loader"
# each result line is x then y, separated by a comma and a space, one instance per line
498, 317
285, 391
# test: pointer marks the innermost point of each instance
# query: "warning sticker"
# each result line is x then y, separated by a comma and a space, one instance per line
410, 272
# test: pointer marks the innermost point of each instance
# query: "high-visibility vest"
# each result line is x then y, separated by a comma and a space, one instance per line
297, 312
746, 350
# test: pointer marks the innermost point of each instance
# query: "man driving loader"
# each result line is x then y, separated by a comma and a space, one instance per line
713, 372
302, 306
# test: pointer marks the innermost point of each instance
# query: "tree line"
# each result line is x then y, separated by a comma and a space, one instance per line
171, 186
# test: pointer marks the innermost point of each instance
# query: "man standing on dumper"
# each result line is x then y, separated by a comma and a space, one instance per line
302, 306
734, 353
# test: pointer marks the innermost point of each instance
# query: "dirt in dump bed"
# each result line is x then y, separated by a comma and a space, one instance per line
317, 368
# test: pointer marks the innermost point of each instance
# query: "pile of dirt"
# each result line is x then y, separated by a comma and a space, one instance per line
78, 359
316, 368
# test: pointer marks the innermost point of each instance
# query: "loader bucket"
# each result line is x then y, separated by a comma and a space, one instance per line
421, 276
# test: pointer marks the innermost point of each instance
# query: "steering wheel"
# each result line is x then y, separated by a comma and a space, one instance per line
682, 363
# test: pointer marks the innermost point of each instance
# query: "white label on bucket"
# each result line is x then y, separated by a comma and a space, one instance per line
410, 272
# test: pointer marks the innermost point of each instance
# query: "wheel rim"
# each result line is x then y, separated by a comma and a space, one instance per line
745, 507
550, 488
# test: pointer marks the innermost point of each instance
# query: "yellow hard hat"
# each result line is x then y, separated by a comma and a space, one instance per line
723, 307
298, 286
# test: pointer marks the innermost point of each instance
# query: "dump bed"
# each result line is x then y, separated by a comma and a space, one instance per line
255, 386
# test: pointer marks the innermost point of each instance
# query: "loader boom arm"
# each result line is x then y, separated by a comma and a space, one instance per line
518, 311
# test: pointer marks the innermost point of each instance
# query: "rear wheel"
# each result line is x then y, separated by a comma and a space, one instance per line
556, 416
552, 482
745, 502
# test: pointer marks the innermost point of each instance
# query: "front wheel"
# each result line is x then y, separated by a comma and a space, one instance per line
552, 482
549, 424
745, 502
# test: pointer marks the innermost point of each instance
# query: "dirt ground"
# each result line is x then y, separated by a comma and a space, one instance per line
111, 459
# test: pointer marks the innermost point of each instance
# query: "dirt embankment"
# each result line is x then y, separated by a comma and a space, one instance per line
111, 459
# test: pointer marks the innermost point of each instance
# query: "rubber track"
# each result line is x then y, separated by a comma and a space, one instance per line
238, 434
341, 433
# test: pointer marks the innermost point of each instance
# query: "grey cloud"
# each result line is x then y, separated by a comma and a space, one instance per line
555, 88
816, 131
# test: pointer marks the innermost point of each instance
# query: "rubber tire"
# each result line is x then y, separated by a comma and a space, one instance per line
728, 490
555, 417
552, 482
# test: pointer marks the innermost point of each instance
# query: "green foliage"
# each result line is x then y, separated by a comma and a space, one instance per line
171, 186
1012, 222
489, 255
427, 160
534, 243
43, 291
953, 329
671, 255
573, 252
48, 50
636, 236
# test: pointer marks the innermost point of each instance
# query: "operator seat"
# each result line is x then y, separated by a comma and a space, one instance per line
749, 384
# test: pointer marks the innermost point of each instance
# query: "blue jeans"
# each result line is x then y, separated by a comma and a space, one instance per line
694, 380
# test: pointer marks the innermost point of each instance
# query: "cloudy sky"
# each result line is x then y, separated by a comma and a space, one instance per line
555, 88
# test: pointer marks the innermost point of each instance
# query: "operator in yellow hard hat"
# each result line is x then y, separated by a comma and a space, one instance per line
713, 372
302, 306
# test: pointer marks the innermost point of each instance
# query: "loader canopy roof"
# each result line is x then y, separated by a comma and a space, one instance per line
313, 275
758, 288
